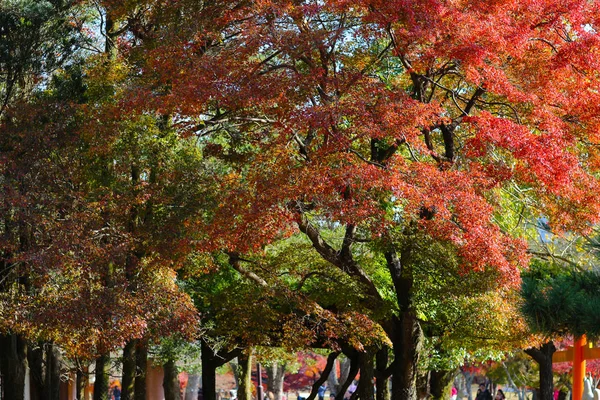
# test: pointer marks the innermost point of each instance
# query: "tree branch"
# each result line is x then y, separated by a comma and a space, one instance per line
354, 367
345, 252
234, 261
324, 375
334, 257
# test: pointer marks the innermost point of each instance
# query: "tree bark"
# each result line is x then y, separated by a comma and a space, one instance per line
141, 366
407, 335
102, 374
354, 367
82, 382
13, 365
128, 379
543, 356
191, 390
210, 362
209, 374
440, 383
469, 376
35, 360
422, 385
52, 379
244, 373
324, 377
333, 380
171, 381
276, 374
407, 347
235, 370
381, 378
367, 375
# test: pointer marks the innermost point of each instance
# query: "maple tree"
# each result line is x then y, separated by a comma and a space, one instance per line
401, 123
387, 135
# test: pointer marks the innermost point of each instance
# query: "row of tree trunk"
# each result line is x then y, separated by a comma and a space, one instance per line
41, 364
44, 364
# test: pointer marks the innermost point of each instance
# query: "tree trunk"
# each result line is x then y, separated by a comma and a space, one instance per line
440, 383
102, 375
82, 382
52, 379
333, 380
191, 391
171, 381
244, 373
234, 365
35, 360
324, 376
469, 376
407, 335
209, 375
382, 379
407, 347
128, 379
422, 385
367, 374
141, 366
354, 367
13, 365
543, 356
210, 362
276, 374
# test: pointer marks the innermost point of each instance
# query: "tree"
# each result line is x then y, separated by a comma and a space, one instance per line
387, 135
557, 302
398, 123
36, 38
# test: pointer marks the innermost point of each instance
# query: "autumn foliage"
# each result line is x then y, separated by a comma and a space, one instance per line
394, 140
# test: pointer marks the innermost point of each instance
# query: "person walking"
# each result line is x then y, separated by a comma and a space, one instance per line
321, 391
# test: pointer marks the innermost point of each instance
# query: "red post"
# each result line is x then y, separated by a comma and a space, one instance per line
578, 367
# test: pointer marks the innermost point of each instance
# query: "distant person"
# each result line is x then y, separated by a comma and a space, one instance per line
500, 395
483, 393
116, 393
321, 391
453, 393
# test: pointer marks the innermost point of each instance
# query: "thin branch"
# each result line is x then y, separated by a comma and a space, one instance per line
234, 261
366, 160
553, 256
307, 276
549, 43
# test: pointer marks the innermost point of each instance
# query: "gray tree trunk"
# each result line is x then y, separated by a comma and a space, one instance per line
191, 391
469, 376
276, 374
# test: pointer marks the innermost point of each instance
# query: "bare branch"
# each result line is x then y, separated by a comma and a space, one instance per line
234, 261
334, 257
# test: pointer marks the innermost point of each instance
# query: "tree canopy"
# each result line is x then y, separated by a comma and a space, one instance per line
344, 167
